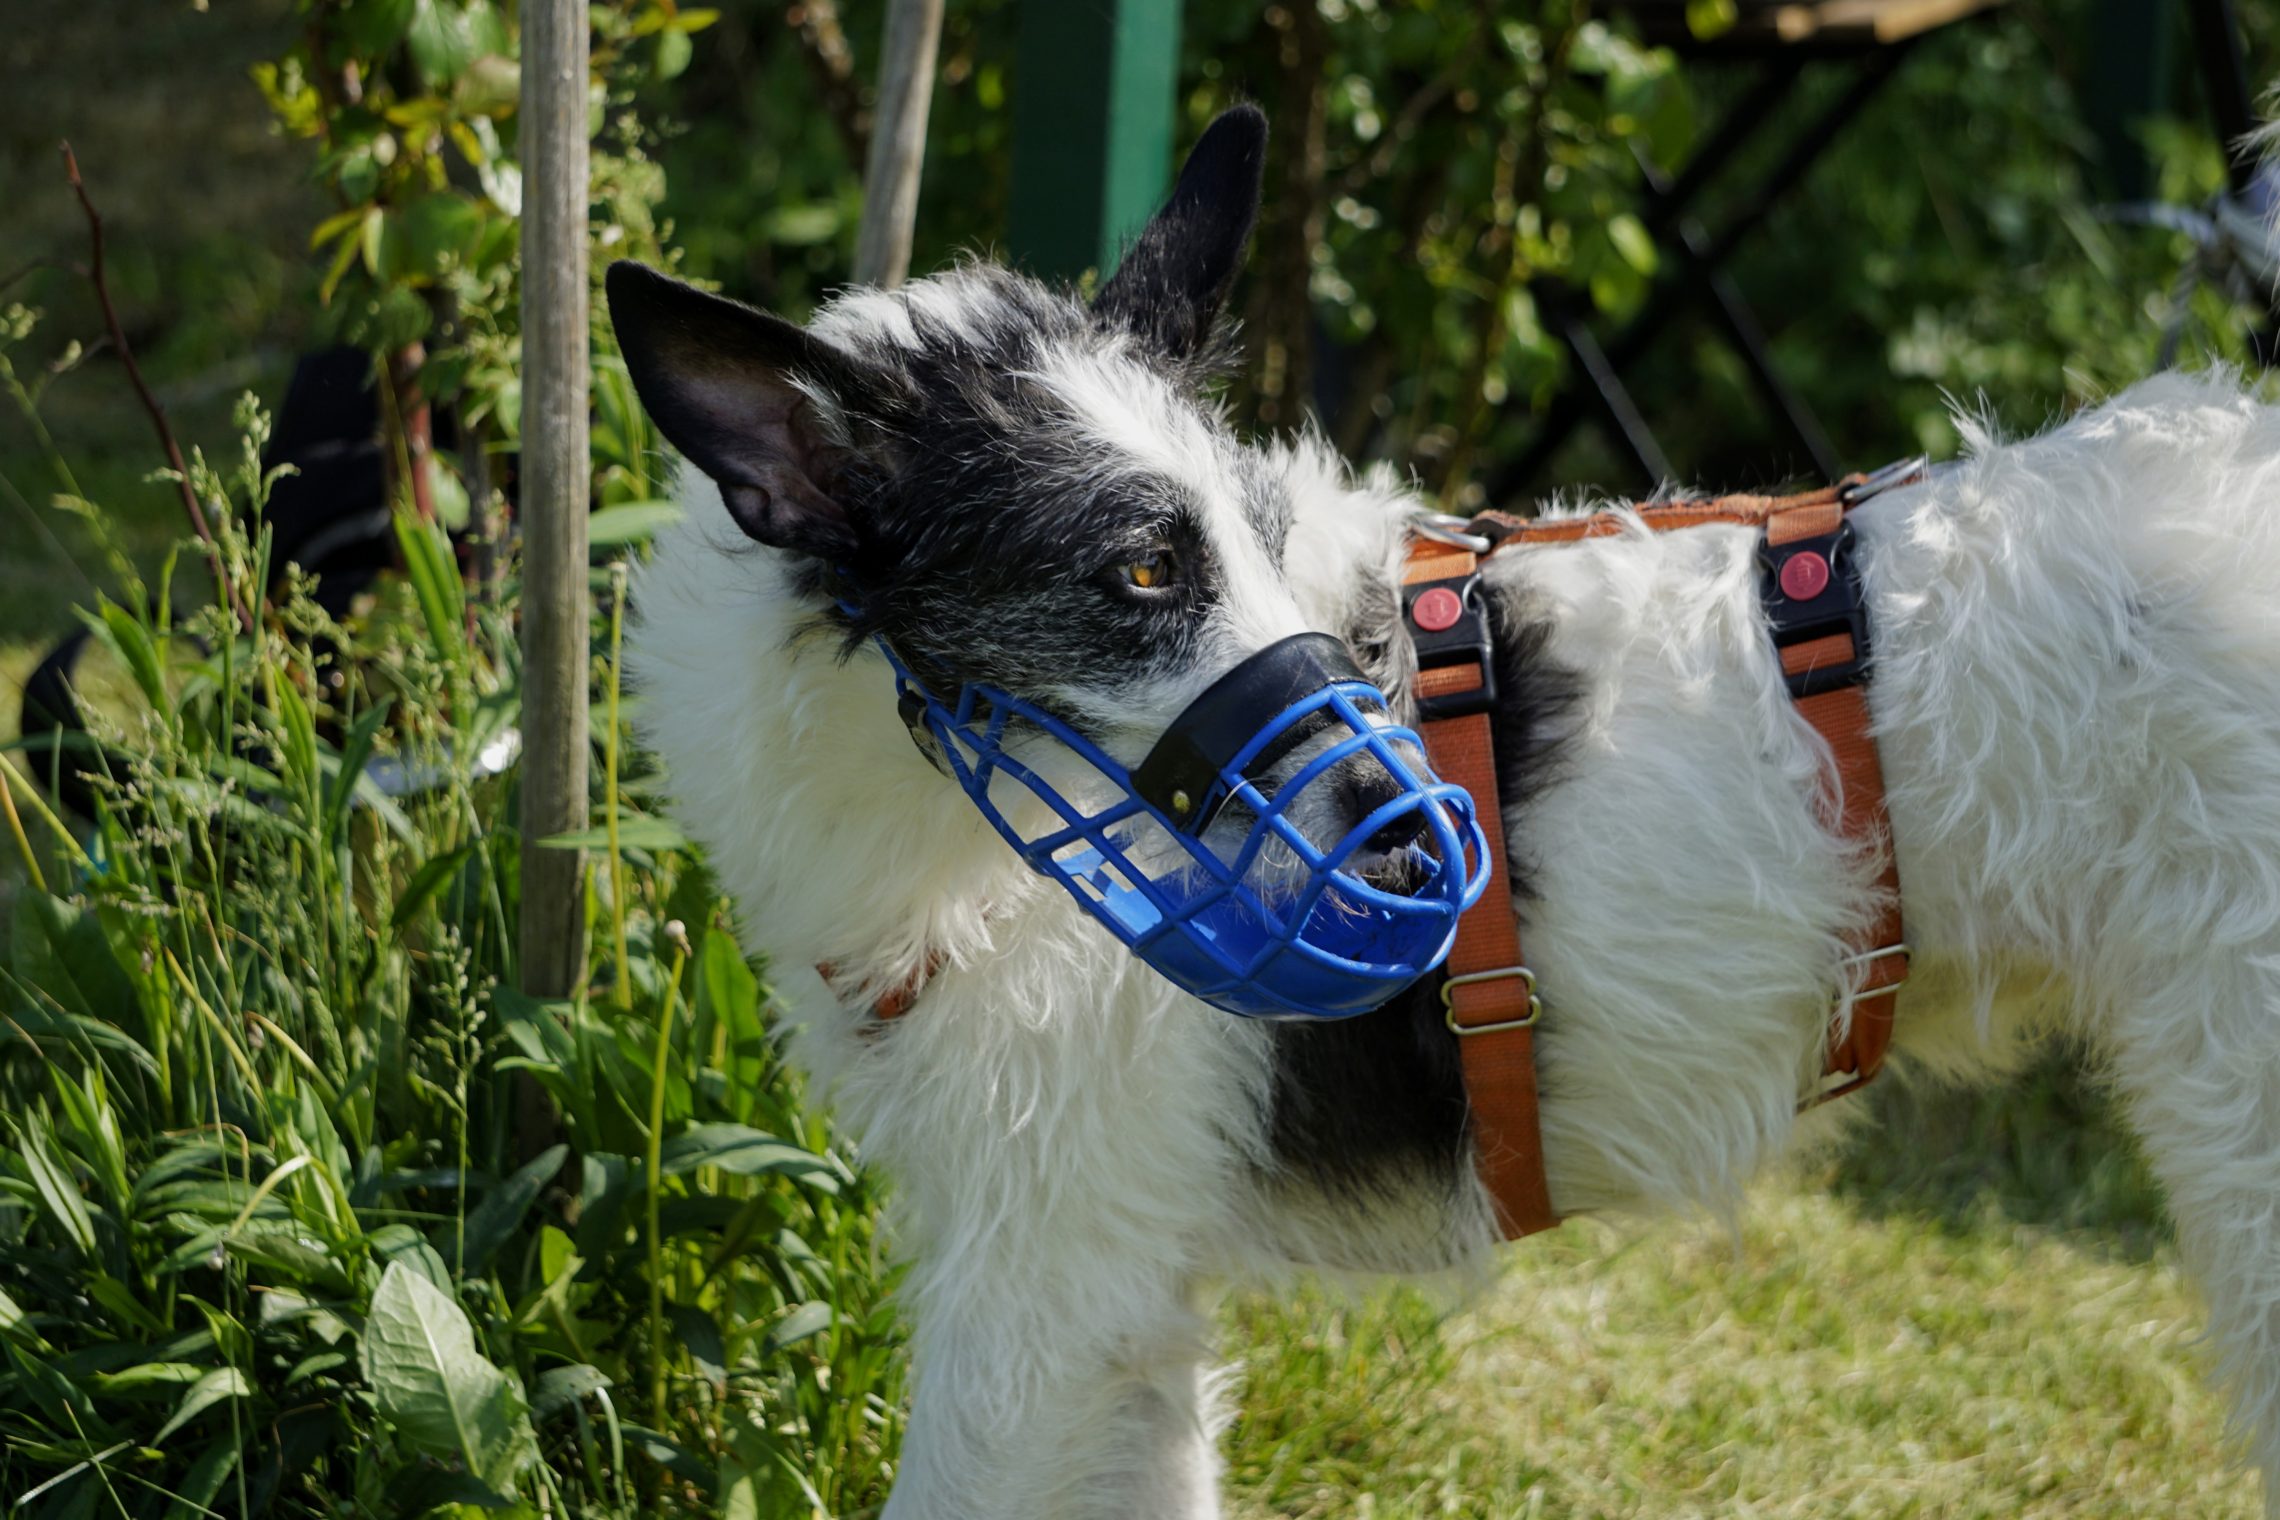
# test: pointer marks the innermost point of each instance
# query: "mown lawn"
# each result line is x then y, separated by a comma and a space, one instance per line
1968, 1334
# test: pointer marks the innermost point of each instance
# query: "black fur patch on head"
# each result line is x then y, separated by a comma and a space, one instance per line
990, 517
1368, 1109
722, 383
1171, 285
914, 448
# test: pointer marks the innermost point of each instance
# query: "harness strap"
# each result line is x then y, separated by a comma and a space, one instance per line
1877, 962
1490, 993
1488, 990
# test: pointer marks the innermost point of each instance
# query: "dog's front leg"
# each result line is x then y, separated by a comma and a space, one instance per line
1017, 1419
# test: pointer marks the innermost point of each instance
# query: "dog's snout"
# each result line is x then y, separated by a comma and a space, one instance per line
1366, 787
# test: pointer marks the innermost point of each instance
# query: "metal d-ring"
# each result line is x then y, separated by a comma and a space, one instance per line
1447, 528
1899, 473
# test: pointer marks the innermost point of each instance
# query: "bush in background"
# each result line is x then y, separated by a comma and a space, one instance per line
303, 1209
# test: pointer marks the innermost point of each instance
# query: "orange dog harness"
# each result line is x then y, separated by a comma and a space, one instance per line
1812, 593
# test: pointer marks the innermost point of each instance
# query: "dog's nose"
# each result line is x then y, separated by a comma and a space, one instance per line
1367, 788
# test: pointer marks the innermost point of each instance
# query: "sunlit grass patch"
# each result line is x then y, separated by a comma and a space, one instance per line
1825, 1363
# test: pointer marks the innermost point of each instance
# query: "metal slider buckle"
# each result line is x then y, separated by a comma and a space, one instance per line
1449, 992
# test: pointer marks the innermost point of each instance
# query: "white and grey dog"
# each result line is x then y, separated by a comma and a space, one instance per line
2076, 690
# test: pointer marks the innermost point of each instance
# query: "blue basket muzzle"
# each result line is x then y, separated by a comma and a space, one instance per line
1283, 851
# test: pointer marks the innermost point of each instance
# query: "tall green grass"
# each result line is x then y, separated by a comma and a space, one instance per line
303, 1208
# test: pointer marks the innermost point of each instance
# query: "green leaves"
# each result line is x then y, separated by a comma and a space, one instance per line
53, 1185
442, 40
283, 1219
434, 575
374, 26
630, 522
746, 1152
211, 1389
439, 1392
501, 1212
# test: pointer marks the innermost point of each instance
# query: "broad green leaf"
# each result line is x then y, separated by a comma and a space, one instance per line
673, 1457
333, 226
699, 1335
194, 1495
125, 1307
442, 44
608, 1186
58, 1190
808, 1319
641, 832
630, 522
374, 26
345, 254
148, 1379
426, 882
62, 949
501, 1212
1632, 241
724, 981
746, 1152
561, 1387
315, 1362
674, 51
217, 1385
434, 575
437, 1390
401, 1245
133, 642
437, 231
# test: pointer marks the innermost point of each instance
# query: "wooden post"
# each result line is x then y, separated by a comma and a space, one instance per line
556, 485
898, 142
1094, 90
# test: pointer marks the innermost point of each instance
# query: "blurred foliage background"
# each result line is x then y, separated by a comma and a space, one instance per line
1430, 157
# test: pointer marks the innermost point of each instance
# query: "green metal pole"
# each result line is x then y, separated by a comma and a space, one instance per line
1094, 95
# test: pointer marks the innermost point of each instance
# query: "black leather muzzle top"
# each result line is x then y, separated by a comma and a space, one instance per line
1182, 777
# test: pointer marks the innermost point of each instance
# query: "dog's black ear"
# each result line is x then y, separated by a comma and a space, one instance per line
717, 377
1173, 281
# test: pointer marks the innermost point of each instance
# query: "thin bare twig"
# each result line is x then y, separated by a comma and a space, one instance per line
190, 503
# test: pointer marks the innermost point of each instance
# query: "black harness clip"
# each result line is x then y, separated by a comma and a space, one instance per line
1811, 589
1448, 627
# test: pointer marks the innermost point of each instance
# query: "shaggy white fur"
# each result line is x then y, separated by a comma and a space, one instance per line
2077, 694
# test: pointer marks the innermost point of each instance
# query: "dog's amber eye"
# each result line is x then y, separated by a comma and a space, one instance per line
1150, 574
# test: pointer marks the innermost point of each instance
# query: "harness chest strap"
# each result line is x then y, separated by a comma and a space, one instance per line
1489, 992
